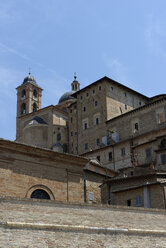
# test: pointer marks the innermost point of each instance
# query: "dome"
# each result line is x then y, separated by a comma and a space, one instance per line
29, 79
66, 96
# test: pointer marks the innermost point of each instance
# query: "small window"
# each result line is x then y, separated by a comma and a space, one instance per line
128, 203
140, 103
96, 103
138, 201
97, 121
123, 152
90, 196
98, 158
163, 158
125, 106
131, 173
160, 117
98, 142
148, 152
84, 109
112, 88
87, 94
85, 125
93, 91
70, 110
81, 97
75, 107
86, 146
110, 156
136, 127
125, 94
100, 88
71, 134
75, 133
71, 120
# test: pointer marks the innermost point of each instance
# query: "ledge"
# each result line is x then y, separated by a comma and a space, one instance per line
82, 229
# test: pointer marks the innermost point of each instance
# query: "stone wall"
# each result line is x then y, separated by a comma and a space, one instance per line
24, 169
31, 223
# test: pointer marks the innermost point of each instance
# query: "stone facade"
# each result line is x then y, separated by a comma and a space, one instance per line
142, 190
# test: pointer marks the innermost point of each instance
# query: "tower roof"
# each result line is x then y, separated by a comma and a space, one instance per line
29, 79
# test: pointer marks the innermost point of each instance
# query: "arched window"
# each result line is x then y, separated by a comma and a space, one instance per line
34, 107
23, 108
35, 93
23, 93
40, 194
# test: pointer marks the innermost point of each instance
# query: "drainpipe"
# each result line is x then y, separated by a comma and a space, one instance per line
67, 184
85, 200
113, 157
164, 197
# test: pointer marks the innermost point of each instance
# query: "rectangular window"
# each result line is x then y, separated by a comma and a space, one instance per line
87, 94
98, 142
138, 201
99, 87
90, 196
85, 125
110, 156
163, 158
125, 106
84, 109
86, 146
128, 203
123, 151
96, 103
98, 158
93, 91
160, 117
136, 126
71, 119
71, 133
97, 121
148, 152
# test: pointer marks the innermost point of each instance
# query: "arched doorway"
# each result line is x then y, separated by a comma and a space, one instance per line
40, 194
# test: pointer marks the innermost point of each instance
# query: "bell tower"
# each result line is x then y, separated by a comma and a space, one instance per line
28, 100
28, 96
75, 85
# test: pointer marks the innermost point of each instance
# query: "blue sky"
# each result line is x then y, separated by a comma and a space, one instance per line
122, 39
